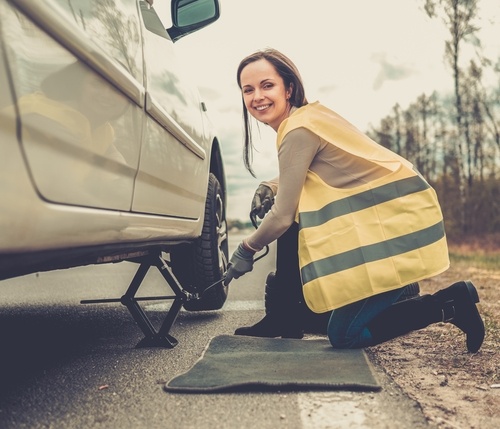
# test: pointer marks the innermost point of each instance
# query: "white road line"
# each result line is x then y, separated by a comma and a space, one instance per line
228, 306
331, 410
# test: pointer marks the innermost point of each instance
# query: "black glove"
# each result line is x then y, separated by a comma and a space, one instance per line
240, 263
263, 200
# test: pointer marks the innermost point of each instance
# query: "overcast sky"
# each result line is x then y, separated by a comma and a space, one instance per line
358, 57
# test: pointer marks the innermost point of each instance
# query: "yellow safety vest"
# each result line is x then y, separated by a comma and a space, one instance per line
358, 242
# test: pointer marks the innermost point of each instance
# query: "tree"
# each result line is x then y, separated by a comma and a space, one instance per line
454, 139
489, 105
459, 17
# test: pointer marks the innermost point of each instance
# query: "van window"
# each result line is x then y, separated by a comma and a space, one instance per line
113, 25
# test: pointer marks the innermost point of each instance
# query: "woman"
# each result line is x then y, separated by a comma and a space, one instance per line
363, 222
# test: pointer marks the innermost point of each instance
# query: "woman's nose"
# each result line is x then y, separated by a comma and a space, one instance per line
257, 95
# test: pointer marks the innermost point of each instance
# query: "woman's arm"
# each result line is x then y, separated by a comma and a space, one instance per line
295, 155
273, 184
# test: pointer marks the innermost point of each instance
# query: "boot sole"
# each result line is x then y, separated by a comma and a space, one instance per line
474, 346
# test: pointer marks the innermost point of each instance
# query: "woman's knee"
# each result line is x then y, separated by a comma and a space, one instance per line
347, 328
343, 343
341, 340
348, 340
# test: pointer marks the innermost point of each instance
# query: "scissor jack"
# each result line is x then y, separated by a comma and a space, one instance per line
152, 338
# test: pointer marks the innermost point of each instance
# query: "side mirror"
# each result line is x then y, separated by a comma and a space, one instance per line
189, 16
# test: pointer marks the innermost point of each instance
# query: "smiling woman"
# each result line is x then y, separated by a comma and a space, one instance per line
356, 224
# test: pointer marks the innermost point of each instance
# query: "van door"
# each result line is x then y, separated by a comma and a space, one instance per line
75, 68
173, 171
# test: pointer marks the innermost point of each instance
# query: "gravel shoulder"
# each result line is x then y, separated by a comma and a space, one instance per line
454, 388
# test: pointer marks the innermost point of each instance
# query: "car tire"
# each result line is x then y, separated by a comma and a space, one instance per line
204, 262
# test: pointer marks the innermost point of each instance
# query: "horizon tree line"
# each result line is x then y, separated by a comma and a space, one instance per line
454, 139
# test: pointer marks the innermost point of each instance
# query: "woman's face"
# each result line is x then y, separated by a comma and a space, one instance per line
264, 93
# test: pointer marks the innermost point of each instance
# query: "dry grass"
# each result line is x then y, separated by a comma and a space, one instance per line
454, 388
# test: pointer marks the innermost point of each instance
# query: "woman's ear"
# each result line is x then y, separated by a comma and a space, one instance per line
289, 91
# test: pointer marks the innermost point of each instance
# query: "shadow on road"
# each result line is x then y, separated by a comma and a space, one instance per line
36, 340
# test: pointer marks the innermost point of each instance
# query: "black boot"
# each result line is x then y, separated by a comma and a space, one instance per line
455, 304
282, 315
404, 317
459, 308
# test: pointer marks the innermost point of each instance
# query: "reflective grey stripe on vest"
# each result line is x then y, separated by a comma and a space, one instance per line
372, 252
363, 200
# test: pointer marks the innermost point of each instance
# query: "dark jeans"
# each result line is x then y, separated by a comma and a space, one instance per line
347, 327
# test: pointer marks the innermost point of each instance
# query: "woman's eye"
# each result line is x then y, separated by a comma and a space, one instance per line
247, 91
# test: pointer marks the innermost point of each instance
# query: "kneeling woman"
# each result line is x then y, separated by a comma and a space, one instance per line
355, 223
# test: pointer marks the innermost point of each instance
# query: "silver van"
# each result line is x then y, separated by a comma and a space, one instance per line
107, 153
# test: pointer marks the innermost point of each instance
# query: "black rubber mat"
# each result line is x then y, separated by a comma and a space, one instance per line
240, 363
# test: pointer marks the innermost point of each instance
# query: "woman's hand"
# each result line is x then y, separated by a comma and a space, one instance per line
241, 262
263, 200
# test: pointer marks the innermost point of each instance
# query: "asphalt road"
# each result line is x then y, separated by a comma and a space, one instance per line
67, 365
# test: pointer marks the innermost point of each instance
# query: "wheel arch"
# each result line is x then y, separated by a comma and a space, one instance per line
217, 167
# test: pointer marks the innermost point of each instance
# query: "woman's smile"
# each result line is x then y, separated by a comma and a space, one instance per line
263, 107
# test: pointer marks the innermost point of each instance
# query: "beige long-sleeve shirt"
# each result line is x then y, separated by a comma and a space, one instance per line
300, 151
